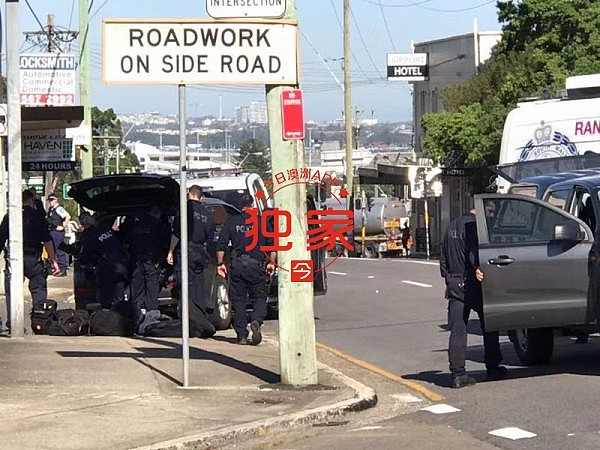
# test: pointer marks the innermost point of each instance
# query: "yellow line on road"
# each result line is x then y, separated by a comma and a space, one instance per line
433, 396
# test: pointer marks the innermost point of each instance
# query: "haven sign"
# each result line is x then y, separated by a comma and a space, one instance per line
199, 52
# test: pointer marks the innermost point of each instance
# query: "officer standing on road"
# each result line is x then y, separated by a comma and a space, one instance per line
103, 249
249, 268
459, 266
201, 230
148, 239
58, 220
35, 234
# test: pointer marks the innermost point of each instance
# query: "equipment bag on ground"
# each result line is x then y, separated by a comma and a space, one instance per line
121, 320
42, 319
70, 322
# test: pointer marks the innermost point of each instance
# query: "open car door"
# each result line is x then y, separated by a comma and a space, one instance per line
535, 260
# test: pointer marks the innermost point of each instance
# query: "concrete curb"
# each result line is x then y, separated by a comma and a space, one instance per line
364, 398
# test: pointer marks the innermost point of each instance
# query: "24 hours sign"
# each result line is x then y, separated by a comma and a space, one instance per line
199, 52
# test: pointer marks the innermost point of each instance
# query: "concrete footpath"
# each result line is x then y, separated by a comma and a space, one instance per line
92, 392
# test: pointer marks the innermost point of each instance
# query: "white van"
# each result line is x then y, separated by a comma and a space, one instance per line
230, 186
553, 128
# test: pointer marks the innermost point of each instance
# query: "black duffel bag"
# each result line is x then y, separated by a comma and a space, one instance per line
121, 320
70, 322
43, 319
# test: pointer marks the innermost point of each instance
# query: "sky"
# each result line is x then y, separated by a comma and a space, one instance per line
378, 27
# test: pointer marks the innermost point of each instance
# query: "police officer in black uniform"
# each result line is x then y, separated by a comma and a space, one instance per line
249, 268
459, 266
103, 249
35, 234
201, 230
148, 239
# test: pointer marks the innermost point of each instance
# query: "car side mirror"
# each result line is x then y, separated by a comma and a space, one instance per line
568, 231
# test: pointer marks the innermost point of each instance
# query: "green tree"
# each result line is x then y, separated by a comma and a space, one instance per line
108, 133
254, 156
543, 42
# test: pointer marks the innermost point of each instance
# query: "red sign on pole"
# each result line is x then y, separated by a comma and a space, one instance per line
292, 114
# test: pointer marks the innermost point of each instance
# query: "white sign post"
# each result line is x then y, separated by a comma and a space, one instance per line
199, 52
47, 79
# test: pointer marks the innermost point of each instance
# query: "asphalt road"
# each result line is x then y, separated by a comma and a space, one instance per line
391, 314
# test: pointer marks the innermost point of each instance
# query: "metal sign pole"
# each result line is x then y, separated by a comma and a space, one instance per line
183, 242
427, 227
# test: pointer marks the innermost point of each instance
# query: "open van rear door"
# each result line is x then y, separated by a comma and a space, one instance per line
535, 260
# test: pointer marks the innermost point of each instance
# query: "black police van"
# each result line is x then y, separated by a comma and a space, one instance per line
114, 199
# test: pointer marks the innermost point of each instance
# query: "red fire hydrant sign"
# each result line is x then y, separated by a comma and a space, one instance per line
292, 114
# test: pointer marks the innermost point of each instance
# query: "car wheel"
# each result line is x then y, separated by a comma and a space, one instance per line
221, 315
371, 251
533, 345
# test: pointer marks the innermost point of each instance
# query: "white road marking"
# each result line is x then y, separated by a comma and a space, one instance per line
336, 273
372, 427
416, 283
406, 398
441, 408
512, 433
570, 434
411, 261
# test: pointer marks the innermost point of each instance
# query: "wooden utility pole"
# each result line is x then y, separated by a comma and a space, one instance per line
87, 155
297, 346
51, 46
348, 107
15, 203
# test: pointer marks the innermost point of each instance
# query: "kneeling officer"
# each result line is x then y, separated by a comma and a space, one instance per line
249, 267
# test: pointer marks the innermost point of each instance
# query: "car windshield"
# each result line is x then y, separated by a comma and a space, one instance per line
232, 196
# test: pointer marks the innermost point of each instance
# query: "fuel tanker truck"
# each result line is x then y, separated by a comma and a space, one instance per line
378, 223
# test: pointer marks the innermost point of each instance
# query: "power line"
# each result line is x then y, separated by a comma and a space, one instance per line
35, 15
71, 15
387, 28
323, 60
429, 8
98, 9
392, 5
342, 28
363, 42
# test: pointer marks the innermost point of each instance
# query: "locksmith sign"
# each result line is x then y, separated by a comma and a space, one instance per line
199, 52
47, 79
407, 67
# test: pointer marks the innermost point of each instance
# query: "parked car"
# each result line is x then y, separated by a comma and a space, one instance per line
542, 266
113, 199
